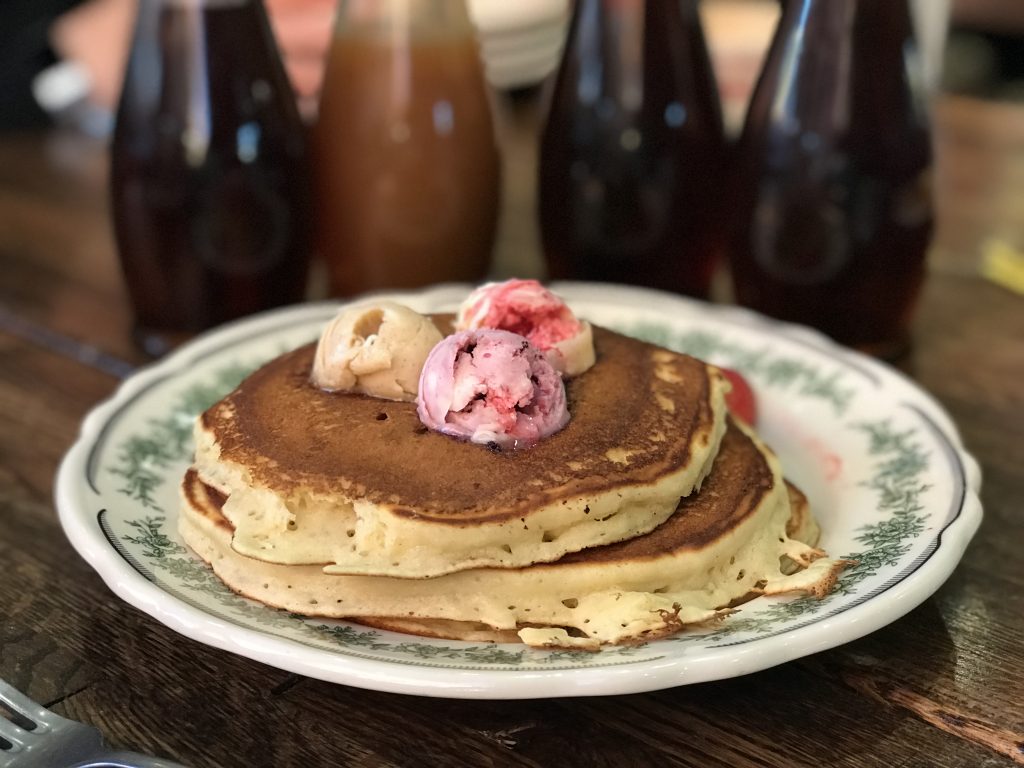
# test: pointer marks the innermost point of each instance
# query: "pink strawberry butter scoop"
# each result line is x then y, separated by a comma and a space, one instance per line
491, 387
528, 308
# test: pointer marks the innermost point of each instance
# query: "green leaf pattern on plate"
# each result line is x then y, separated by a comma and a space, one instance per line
768, 367
143, 461
896, 481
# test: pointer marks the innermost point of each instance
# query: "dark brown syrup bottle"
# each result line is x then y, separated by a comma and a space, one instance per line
833, 214
631, 155
209, 176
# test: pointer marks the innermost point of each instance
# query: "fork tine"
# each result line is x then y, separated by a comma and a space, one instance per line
22, 704
17, 736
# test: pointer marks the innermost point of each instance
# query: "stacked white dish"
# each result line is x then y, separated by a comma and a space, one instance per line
520, 41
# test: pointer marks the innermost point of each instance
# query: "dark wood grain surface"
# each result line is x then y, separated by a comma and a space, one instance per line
943, 686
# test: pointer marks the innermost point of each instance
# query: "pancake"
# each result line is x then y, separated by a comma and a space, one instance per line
721, 545
801, 526
359, 486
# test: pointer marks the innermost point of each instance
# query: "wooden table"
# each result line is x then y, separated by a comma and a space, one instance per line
940, 687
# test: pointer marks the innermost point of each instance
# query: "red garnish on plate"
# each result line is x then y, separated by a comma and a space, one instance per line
740, 401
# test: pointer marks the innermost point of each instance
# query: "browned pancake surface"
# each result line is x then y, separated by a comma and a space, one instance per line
291, 435
738, 484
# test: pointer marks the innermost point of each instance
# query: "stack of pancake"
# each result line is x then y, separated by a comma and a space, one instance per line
650, 511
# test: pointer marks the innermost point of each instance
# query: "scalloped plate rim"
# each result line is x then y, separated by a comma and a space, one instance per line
656, 673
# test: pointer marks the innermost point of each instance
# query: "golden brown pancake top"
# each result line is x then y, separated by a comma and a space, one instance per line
292, 435
739, 483
736, 486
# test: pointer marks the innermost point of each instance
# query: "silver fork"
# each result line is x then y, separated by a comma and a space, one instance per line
48, 740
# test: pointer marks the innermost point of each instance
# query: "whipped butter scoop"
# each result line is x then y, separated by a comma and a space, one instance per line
491, 387
528, 308
375, 349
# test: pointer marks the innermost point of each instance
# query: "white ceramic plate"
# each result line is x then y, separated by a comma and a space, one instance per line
520, 42
881, 462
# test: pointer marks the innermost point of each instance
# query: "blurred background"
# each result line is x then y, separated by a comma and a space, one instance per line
521, 41
62, 64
